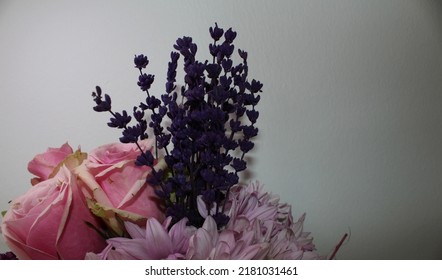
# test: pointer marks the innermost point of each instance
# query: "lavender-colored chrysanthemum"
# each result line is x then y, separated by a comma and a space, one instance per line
251, 204
152, 243
252, 210
210, 244
260, 227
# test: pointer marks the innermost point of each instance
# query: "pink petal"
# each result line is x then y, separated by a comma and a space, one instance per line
130, 248
200, 245
201, 205
249, 252
160, 245
221, 252
210, 226
135, 231
43, 164
180, 234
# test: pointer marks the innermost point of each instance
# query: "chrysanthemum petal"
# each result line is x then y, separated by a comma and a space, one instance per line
160, 245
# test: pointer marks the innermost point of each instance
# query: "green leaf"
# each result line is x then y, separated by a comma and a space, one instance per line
3, 213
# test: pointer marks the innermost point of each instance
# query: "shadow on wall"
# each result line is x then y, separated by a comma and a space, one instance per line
435, 10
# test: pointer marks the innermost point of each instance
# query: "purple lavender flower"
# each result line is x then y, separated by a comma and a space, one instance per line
199, 128
141, 61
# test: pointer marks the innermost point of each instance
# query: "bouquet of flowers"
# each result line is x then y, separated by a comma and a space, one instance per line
170, 189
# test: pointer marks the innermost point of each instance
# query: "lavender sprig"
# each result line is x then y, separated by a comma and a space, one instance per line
211, 124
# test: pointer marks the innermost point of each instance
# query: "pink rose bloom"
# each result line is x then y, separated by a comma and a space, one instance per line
44, 164
49, 221
119, 186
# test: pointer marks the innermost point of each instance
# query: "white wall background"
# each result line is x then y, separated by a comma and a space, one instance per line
351, 114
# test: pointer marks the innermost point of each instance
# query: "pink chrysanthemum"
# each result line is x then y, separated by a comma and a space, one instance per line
260, 227
209, 244
250, 204
152, 243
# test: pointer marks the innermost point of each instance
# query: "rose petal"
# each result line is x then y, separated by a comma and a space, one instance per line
42, 165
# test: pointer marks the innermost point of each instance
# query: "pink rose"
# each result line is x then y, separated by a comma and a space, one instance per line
119, 186
49, 221
44, 164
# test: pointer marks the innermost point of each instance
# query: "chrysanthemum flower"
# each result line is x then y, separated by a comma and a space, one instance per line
209, 243
272, 220
260, 227
152, 243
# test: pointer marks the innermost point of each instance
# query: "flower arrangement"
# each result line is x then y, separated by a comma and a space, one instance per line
170, 188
